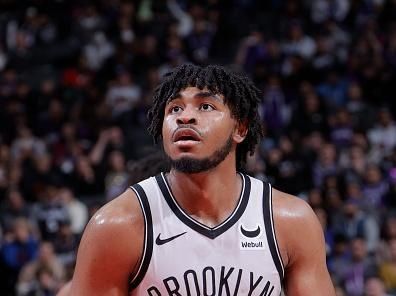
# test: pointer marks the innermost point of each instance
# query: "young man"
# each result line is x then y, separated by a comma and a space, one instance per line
203, 228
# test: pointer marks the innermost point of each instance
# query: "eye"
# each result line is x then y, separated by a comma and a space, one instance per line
206, 107
175, 109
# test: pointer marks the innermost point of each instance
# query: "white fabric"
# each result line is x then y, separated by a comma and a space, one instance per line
194, 264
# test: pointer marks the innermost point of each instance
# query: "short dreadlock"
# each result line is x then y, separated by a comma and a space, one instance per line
239, 93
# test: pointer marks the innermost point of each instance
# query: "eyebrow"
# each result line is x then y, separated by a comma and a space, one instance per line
199, 95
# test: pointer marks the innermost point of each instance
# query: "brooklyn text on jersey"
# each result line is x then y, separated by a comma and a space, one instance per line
182, 256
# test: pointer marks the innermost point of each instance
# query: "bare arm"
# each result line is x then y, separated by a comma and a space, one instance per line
109, 250
302, 246
97, 152
65, 290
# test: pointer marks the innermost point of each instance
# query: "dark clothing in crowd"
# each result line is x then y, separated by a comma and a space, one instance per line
77, 78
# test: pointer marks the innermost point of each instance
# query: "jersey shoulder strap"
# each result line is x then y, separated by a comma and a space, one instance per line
145, 259
270, 228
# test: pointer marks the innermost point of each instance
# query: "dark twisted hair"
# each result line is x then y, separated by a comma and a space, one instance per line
240, 94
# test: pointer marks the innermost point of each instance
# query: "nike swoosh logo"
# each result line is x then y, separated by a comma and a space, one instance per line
160, 241
250, 233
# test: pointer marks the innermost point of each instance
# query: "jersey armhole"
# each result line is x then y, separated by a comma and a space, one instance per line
270, 230
145, 259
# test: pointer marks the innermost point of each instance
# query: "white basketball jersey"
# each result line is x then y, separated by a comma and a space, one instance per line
184, 257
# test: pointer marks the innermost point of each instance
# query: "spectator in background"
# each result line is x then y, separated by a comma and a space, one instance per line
20, 247
65, 149
340, 39
333, 89
354, 163
200, 39
87, 181
3, 58
361, 266
390, 200
292, 172
26, 145
175, 56
353, 192
274, 57
252, 51
98, 50
298, 42
341, 131
274, 108
255, 166
375, 188
50, 122
326, 164
42, 276
126, 33
90, 21
310, 116
110, 139
185, 22
315, 198
50, 213
3, 181
387, 269
77, 211
323, 10
324, 58
339, 291
382, 136
4, 158
122, 95
37, 174
116, 180
65, 245
339, 259
388, 233
14, 207
362, 115
354, 223
375, 287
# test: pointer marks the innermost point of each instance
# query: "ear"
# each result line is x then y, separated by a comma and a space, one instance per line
240, 132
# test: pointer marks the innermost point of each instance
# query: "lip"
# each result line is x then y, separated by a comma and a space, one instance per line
185, 145
180, 135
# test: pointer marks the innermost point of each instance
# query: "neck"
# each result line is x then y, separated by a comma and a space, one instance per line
209, 196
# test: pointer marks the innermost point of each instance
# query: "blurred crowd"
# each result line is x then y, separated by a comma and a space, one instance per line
76, 80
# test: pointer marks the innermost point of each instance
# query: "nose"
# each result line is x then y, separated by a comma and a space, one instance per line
187, 117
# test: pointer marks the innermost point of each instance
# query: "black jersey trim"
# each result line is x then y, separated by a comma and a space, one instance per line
210, 232
270, 229
148, 237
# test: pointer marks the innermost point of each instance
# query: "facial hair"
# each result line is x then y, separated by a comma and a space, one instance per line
190, 165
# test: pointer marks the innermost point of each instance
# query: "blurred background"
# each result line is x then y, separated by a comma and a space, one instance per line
76, 80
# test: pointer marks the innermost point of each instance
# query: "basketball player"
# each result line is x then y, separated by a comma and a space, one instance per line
203, 228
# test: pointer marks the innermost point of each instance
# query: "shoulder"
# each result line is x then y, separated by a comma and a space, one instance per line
291, 208
110, 248
118, 225
295, 224
123, 214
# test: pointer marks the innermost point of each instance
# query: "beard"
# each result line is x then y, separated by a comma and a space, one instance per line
190, 165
